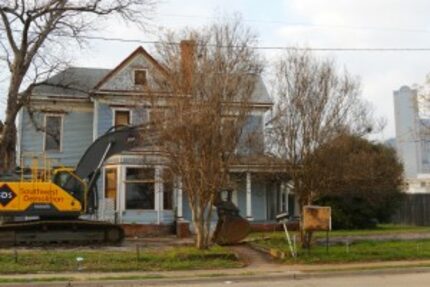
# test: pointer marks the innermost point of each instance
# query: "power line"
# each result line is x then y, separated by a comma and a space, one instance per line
285, 48
347, 49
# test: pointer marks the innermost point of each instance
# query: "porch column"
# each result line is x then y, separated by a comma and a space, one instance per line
182, 225
121, 190
248, 197
158, 188
179, 207
284, 197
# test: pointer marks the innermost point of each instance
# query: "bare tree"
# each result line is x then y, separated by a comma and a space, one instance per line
314, 103
211, 80
34, 35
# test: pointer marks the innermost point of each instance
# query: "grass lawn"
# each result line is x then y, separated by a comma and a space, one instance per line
361, 251
364, 251
61, 260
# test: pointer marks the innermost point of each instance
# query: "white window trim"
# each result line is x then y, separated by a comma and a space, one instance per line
134, 76
115, 109
96, 120
156, 191
61, 132
20, 134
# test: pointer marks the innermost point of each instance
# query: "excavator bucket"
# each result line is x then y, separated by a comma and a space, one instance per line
231, 228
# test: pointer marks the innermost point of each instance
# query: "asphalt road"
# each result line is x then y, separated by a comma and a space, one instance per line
409, 280
380, 280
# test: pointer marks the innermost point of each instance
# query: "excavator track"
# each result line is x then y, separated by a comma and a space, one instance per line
63, 232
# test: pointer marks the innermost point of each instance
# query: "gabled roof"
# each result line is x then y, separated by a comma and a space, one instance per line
139, 50
72, 82
260, 94
79, 83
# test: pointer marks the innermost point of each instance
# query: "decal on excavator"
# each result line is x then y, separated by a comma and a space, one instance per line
6, 195
20, 196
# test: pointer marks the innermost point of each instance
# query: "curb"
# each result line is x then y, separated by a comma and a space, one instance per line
227, 278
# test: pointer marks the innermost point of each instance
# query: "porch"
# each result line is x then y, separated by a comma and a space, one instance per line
138, 196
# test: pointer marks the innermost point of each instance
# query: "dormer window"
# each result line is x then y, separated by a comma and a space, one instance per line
140, 77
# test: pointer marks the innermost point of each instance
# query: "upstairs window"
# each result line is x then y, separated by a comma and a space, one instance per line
140, 77
53, 132
122, 118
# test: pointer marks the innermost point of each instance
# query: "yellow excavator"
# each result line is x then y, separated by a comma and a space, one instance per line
52, 207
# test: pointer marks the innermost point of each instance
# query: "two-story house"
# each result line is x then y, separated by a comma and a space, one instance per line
78, 105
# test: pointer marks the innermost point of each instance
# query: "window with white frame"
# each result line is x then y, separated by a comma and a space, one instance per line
140, 188
121, 117
53, 132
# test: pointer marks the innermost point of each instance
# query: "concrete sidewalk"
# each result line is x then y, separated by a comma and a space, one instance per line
248, 273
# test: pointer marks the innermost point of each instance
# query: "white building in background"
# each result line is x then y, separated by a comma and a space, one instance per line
412, 139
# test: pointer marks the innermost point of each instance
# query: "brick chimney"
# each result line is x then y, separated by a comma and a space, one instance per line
187, 64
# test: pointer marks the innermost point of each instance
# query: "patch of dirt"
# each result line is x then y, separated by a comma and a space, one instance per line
251, 257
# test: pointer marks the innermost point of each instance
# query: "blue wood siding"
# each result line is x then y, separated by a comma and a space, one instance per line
77, 136
241, 201
147, 216
139, 115
259, 201
31, 141
240, 189
186, 209
259, 191
105, 118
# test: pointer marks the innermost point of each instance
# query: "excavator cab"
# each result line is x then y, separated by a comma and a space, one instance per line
71, 183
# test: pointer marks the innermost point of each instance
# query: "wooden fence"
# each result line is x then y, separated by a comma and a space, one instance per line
414, 210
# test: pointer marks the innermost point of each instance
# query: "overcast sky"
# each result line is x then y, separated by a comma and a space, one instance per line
308, 23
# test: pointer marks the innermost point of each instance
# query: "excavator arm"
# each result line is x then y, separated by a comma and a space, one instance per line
87, 171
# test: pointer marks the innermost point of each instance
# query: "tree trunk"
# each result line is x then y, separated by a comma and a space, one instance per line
8, 140
201, 226
7, 148
202, 232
